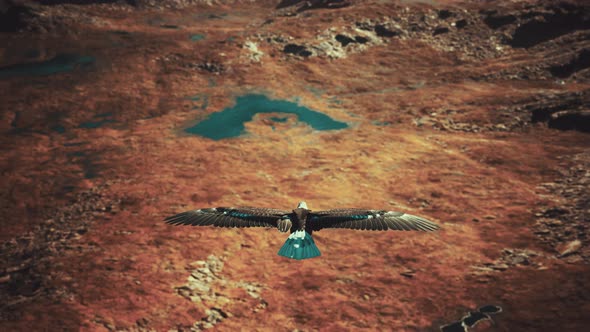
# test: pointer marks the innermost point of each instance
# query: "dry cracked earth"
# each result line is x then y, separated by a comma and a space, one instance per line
472, 114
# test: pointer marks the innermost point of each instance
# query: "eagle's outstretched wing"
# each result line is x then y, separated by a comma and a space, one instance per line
233, 217
379, 220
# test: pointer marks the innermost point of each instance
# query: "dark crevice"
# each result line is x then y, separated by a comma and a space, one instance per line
567, 111
287, 3
361, 40
76, 2
440, 31
495, 21
555, 212
303, 5
531, 14
328, 4
444, 14
542, 108
15, 18
344, 40
305, 53
580, 62
460, 24
382, 31
570, 121
540, 29
297, 50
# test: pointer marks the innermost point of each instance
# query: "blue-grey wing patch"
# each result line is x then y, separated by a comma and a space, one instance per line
229, 217
378, 220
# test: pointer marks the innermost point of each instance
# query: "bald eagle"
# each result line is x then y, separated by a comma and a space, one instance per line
301, 222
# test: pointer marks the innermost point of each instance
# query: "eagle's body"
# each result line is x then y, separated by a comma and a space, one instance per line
301, 222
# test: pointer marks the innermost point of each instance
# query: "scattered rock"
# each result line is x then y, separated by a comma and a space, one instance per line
569, 248
143, 322
331, 50
509, 258
207, 285
255, 55
564, 225
212, 67
214, 316
408, 273
29, 259
107, 323
500, 267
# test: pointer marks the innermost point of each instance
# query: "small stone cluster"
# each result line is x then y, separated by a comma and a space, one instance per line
206, 285
565, 224
509, 258
27, 262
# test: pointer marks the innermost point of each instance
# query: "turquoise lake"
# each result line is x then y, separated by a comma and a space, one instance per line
230, 122
58, 64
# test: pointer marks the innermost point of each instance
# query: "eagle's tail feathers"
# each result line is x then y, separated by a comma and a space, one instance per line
299, 245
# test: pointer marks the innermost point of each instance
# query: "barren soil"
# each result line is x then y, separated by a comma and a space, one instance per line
473, 115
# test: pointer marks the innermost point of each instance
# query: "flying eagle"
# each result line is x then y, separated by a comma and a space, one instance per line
301, 222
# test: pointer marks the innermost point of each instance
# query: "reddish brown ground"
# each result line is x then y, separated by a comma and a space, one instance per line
121, 272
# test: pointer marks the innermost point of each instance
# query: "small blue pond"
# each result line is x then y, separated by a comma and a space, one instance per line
230, 122
197, 37
381, 123
200, 101
58, 64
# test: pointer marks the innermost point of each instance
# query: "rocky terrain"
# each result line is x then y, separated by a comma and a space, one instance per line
473, 115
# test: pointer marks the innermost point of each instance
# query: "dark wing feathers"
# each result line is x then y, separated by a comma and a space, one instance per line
230, 217
369, 220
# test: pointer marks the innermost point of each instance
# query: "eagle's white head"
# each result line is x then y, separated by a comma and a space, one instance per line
302, 205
